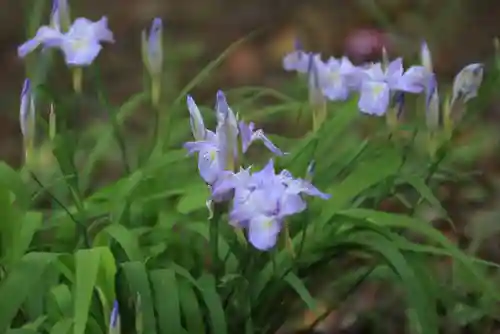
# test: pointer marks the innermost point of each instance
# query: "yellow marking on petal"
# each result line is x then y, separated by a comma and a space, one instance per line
335, 76
212, 155
377, 89
79, 44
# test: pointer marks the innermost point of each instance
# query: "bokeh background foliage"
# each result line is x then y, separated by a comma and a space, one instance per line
72, 243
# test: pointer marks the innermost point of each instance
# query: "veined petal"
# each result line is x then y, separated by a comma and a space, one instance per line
263, 232
375, 98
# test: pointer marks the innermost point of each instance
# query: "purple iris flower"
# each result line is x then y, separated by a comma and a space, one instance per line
262, 200
379, 84
80, 45
297, 60
338, 77
217, 152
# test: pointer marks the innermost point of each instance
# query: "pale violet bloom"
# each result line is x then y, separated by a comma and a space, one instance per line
80, 45
262, 200
152, 47
379, 84
27, 110
297, 60
217, 151
338, 77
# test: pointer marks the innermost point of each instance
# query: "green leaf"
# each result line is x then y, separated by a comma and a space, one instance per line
30, 224
224, 251
419, 301
137, 279
11, 180
18, 285
87, 263
166, 297
213, 303
391, 220
299, 287
365, 175
195, 198
127, 240
418, 183
190, 307
63, 326
60, 302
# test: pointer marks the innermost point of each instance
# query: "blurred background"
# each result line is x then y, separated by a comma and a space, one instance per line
196, 32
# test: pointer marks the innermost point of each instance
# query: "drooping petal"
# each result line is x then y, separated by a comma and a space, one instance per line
46, 36
375, 98
208, 165
196, 120
414, 80
248, 135
80, 52
263, 232
291, 204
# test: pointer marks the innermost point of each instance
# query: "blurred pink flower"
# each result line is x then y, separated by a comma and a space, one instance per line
363, 44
